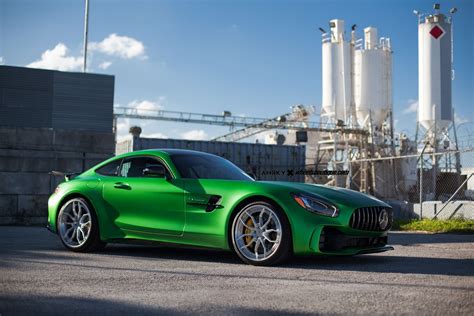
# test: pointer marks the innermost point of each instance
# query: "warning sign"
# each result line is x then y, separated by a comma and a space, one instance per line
437, 32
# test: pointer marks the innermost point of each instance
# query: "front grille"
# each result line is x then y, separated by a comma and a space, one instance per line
368, 218
331, 239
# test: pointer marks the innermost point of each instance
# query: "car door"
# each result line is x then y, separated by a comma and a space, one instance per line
146, 203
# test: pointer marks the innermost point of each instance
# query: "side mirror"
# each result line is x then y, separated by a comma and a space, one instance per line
155, 171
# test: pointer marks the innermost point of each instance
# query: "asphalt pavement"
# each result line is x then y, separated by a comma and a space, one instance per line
425, 274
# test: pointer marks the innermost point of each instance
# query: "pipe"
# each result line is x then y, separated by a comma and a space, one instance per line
86, 31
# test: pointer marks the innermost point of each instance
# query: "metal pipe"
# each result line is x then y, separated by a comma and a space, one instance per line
421, 180
434, 161
86, 31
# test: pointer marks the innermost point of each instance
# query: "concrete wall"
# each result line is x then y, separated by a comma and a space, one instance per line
454, 209
27, 155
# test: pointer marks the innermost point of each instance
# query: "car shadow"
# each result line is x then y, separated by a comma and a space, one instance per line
46, 248
405, 238
379, 263
170, 252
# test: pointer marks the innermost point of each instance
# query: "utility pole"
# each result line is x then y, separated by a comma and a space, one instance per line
86, 31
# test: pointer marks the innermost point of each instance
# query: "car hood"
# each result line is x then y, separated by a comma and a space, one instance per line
335, 195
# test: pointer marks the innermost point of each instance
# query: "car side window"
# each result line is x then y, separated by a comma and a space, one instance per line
110, 169
133, 167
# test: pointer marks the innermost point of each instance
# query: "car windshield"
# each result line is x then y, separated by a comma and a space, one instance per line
202, 166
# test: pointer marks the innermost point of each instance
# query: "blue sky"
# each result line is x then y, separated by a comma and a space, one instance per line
254, 58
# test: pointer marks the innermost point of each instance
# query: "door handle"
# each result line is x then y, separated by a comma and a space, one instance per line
123, 186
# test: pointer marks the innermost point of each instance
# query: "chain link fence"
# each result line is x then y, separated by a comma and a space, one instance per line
430, 184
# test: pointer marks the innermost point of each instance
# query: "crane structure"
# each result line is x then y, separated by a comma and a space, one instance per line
297, 119
249, 125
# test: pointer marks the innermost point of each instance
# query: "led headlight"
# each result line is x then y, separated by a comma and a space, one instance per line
315, 205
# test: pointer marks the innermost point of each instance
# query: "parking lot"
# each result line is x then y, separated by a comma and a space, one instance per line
425, 274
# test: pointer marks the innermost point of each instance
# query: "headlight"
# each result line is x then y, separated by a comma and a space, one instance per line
315, 205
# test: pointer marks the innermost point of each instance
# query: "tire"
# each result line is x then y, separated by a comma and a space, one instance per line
261, 234
78, 227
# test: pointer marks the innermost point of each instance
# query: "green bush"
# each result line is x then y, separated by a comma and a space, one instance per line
437, 225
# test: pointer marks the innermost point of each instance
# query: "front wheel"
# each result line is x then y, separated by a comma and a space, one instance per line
261, 234
78, 226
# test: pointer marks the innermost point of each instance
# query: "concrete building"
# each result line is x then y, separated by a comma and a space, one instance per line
49, 120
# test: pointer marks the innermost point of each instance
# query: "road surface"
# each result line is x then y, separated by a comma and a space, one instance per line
425, 274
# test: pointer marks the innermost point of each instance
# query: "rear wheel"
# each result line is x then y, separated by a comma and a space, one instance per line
78, 226
261, 234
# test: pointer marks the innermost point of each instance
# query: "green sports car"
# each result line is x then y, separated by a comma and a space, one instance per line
198, 199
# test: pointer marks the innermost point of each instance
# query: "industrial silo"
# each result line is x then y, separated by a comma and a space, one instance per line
436, 133
373, 80
434, 71
336, 68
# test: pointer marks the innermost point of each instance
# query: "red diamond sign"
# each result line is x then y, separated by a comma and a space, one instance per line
436, 32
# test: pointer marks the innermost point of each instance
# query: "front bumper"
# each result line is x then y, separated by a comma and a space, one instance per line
333, 240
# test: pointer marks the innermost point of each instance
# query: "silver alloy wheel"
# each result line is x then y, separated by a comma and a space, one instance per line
75, 223
257, 232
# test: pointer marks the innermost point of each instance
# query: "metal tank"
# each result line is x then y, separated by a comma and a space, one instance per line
336, 67
434, 71
372, 79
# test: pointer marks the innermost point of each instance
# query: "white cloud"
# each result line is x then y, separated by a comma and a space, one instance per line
105, 65
120, 46
2, 60
123, 125
412, 107
57, 59
143, 107
154, 135
195, 134
459, 119
147, 107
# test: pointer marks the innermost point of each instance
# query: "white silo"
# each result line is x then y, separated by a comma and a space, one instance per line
373, 79
434, 71
336, 68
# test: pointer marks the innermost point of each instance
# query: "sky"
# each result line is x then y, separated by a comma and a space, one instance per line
253, 58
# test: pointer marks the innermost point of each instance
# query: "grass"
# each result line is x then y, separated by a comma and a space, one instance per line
465, 226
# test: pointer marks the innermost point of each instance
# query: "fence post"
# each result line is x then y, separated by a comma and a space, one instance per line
421, 186
421, 180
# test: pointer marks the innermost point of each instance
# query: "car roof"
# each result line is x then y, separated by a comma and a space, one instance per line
175, 151
166, 151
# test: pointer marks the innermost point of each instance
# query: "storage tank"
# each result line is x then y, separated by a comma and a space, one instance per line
434, 71
336, 66
373, 79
